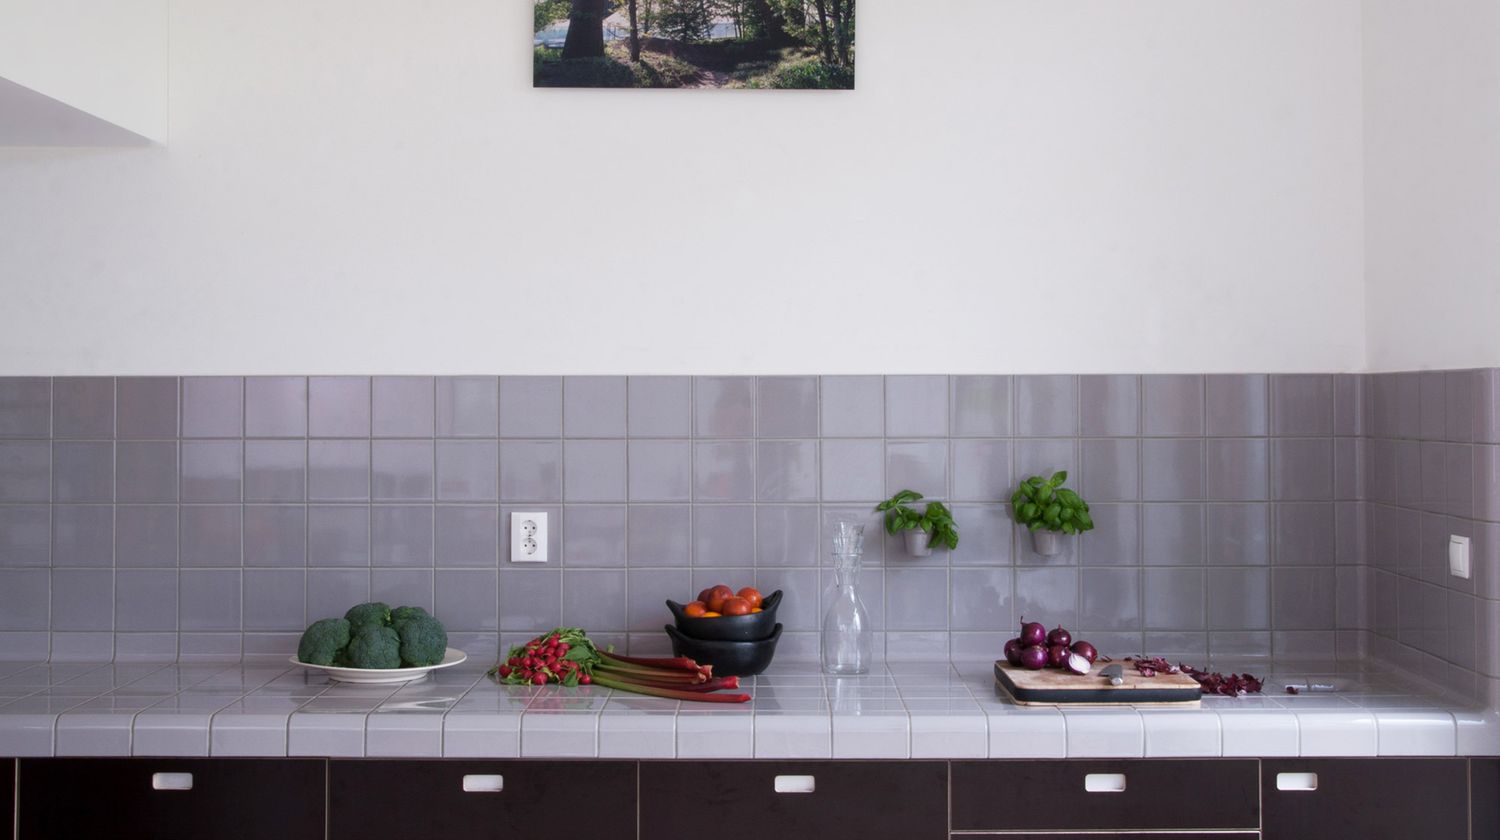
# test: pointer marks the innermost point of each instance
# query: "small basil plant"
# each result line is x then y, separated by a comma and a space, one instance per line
1043, 504
934, 520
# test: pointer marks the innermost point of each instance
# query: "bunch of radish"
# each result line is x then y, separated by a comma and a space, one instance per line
1036, 649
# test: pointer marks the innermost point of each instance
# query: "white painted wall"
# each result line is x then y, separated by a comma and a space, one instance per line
373, 186
1432, 93
105, 57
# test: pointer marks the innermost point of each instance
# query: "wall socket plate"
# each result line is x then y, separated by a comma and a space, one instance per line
528, 537
1458, 556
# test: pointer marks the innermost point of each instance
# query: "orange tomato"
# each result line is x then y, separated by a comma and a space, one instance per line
736, 606
711, 614
716, 597
695, 610
752, 595
755, 609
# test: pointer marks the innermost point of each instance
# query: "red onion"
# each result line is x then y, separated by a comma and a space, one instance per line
1078, 663
1086, 650
1032, 633
1034, 658
1060, 636
1013, 652
1057, 656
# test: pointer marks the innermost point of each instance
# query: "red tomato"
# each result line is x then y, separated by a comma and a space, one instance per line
752, 595
695, 610
736, 606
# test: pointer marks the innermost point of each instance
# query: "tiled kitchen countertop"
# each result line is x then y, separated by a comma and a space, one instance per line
905, 710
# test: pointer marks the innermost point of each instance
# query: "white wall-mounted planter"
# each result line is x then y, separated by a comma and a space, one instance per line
918, 543
1046, 543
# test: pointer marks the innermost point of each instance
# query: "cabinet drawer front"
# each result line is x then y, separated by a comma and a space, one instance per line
1133, 835
169, 798
1105, 795
474, 799
742, 800
1372, 799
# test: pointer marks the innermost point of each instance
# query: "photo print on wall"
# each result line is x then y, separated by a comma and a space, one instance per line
696, 44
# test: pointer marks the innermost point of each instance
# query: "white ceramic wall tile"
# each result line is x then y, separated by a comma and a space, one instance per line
1104, 733
1337, 733
478, 734
878, 734
715, 734
1026, 732
1170, 733
1416, 733
560, 734
793, 734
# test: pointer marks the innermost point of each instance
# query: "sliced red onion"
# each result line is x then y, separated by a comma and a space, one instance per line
1078, 663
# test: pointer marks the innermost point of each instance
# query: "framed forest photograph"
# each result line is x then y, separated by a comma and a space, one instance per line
694, 44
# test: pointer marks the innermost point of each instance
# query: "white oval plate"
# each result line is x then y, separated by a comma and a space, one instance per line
385, 675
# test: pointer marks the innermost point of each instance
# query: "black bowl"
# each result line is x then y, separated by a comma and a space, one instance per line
730, 659
730, 628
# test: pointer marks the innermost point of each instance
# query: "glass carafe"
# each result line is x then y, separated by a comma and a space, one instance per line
848, 641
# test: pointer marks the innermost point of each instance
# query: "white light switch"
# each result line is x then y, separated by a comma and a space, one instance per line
1458, 556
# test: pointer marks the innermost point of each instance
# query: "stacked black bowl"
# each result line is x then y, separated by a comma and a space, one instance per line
736, 645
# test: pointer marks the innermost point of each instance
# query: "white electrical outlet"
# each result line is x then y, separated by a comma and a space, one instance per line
528, 537
1458, 556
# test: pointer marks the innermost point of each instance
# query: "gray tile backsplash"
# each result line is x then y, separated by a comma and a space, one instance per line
1237, 514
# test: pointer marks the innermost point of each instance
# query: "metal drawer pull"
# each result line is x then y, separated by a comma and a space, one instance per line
1296, 781
484, 784
795, 784
1104, 782
171, 781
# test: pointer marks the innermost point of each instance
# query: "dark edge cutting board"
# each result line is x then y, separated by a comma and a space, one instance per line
1103, 694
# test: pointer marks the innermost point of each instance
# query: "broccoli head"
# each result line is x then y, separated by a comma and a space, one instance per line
324, 642
423, 641
403, 614
375, 612
374, 646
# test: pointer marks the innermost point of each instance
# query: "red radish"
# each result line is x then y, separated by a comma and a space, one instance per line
1032, 633
1086, 650
1034, 658
1013, 652
1057, 656
1060, 636
1078, 663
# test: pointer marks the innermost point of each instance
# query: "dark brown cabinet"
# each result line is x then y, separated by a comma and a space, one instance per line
1484, 797
7, 795
1372, 799
170, 798
477, 799
756, 800
1104, 795
1132, 835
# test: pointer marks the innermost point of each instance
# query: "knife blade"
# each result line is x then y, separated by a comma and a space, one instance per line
1114, 673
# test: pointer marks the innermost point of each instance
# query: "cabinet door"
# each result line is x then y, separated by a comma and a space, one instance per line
1372, 799
476, 799
764, 800
1484, 796
7, 795
1104, 795
170, 798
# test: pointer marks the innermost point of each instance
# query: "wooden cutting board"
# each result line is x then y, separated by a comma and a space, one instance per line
1050, 687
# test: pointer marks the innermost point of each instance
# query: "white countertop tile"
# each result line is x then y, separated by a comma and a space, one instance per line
904, 709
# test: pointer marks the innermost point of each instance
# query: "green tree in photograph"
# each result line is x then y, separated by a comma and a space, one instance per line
546, 12
685, 20
586, 29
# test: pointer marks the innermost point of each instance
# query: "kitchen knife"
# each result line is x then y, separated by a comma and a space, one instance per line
1114, 673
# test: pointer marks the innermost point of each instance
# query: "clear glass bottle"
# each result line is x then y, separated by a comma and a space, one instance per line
848, 640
